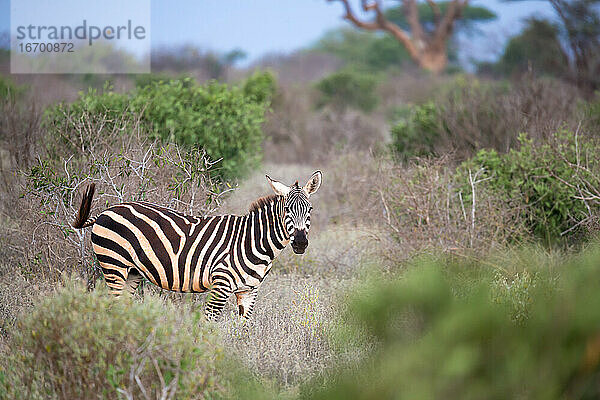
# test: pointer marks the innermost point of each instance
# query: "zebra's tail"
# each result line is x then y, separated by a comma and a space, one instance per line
83, 220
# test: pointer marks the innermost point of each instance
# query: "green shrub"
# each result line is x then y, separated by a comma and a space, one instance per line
464, 116
222, 120
416, 132
348, 88
537, 48
143, 80
261, 86
77, 344
439, 331
543, 180
68, 124
364, 49
225, 121
591, 112
8, 90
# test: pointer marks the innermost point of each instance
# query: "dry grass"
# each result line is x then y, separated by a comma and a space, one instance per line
481, 114
426, 211
348, 195
337, 252
287, 340
17, 295
299, 133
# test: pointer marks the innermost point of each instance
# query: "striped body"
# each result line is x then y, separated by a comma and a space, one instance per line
227, 254
185, 253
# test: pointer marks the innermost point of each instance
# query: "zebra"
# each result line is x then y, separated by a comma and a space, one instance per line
222, 255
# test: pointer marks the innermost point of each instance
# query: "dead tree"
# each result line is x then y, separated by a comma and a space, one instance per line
427, 48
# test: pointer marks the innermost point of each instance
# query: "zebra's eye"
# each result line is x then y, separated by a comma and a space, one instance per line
310, 209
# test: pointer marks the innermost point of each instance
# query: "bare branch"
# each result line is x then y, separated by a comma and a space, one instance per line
444, 28
437, 13
412, 16
352, 18
381, 23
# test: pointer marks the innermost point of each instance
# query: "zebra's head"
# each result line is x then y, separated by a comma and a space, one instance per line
297, 209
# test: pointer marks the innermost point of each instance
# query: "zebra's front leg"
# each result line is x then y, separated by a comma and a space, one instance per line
218, 296
245, 302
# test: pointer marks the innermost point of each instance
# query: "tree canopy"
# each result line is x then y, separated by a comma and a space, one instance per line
538, 48
468, 17
423, 29
378, 51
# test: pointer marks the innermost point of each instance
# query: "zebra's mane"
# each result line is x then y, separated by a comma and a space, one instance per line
261, 202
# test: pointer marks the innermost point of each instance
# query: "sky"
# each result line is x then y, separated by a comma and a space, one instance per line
260, 27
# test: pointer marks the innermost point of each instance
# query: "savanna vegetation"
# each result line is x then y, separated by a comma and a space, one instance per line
454, 242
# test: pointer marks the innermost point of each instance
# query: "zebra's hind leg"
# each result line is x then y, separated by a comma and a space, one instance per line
246, 301
115, 279
133, 281
218, 296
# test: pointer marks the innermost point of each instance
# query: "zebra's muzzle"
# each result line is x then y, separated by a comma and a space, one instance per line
300, 242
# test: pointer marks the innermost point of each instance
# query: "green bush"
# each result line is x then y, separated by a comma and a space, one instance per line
464, 116
8, 90
225, 121
543, 180
261, 86
416, 131
222, 120
143, 80
348, 88
439, 331
538, 48
591, 111
83, 345
364, 49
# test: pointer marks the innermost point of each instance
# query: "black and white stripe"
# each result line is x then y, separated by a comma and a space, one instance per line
222, 254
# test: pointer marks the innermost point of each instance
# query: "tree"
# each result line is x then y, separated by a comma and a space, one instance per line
469, 15
538, 47
348, 88
425, 39
580, 29
363, 49
378, 51
581, 22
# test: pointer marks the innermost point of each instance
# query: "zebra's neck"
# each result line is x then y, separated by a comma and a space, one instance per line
268, 227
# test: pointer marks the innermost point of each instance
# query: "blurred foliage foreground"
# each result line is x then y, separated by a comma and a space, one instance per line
522, 325
80, 345
528, 328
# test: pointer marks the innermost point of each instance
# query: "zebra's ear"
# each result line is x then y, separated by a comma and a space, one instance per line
313, 183
278, 187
